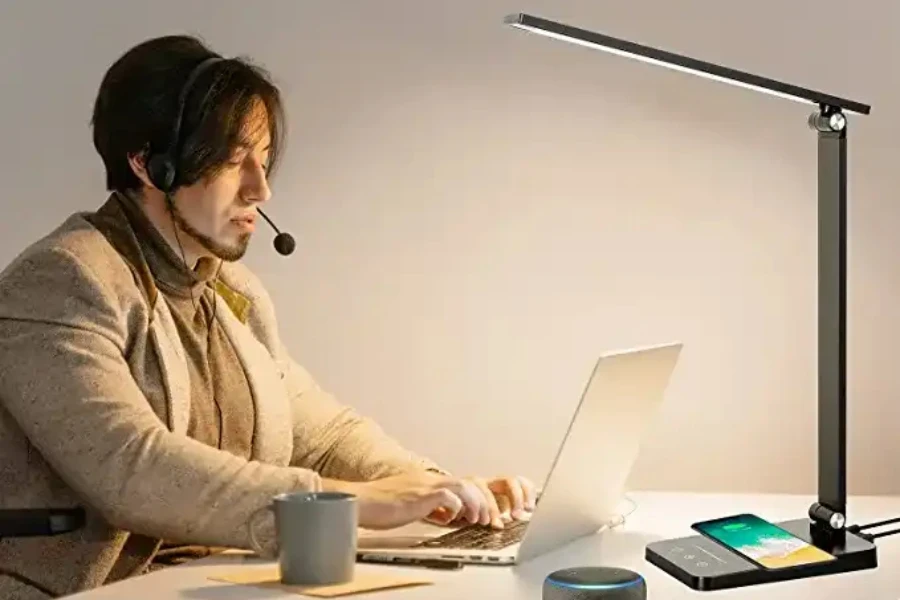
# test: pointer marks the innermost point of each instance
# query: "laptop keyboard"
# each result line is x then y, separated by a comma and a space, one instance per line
479, 537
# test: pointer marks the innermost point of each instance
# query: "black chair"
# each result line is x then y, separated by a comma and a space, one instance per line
33, 522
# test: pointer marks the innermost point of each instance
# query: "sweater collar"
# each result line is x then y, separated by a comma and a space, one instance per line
170, 272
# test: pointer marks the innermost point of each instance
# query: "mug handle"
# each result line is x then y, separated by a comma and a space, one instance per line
252, 524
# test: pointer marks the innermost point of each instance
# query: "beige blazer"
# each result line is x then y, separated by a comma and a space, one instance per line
94, 405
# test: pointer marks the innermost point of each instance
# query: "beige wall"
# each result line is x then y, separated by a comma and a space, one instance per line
480, 212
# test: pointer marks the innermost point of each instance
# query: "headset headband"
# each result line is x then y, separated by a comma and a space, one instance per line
162, 167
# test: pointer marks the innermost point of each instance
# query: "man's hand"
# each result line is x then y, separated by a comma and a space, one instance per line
442, 499
402, 499
501, 500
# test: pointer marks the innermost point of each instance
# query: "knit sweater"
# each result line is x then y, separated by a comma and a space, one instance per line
222, 411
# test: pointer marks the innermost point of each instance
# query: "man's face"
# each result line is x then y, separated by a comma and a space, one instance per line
220, 214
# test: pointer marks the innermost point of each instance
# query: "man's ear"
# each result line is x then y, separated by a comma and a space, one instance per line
137, 162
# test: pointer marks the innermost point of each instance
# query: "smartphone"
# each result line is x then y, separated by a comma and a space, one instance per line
762, 542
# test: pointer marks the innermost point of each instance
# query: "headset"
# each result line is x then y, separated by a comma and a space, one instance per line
162, 167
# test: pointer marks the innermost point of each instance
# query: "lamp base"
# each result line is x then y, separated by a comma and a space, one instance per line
702, 564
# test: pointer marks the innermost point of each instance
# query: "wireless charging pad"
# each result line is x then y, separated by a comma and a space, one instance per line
703, 564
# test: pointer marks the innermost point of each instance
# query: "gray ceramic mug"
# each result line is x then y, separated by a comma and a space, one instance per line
315, 536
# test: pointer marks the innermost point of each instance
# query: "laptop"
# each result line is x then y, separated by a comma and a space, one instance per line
584, 488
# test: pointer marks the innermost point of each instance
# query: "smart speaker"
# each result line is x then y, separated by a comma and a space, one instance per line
594, 583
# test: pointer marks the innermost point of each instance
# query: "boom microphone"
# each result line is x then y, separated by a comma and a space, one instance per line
284, 242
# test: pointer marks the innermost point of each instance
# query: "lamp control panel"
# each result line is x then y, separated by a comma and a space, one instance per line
700, 556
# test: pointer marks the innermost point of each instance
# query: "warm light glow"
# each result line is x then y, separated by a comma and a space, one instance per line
653, 61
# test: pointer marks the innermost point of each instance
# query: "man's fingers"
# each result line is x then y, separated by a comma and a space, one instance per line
443, 501
471, 496
505, 507
486, 514
512, 488
529, 492
491, 514
441, 516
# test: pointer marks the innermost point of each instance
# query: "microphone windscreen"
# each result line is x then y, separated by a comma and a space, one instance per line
284, 243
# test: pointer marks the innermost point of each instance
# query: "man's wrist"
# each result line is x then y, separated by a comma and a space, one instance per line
337, 485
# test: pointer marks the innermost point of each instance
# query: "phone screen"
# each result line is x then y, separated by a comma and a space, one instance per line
761, 541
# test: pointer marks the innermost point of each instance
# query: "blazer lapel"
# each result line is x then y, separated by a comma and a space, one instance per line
113, 222
173, 364
273, 434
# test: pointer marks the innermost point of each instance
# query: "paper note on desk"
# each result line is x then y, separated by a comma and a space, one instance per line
362, 582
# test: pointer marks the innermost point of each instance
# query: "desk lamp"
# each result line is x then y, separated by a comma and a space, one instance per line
698, 561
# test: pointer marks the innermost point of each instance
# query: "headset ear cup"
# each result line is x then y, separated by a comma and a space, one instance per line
161, 172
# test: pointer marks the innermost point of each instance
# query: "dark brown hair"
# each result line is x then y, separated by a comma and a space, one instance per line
137, 102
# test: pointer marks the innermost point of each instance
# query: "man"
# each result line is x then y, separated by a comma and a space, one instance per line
141, 372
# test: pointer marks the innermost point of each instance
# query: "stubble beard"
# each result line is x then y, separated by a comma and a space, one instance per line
232, 253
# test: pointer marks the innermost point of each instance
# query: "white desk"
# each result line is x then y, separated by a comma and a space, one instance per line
658, 516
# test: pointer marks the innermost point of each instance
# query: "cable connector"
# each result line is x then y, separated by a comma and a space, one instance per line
858, 530
620, 519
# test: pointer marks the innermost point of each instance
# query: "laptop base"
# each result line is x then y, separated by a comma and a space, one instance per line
446, 561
